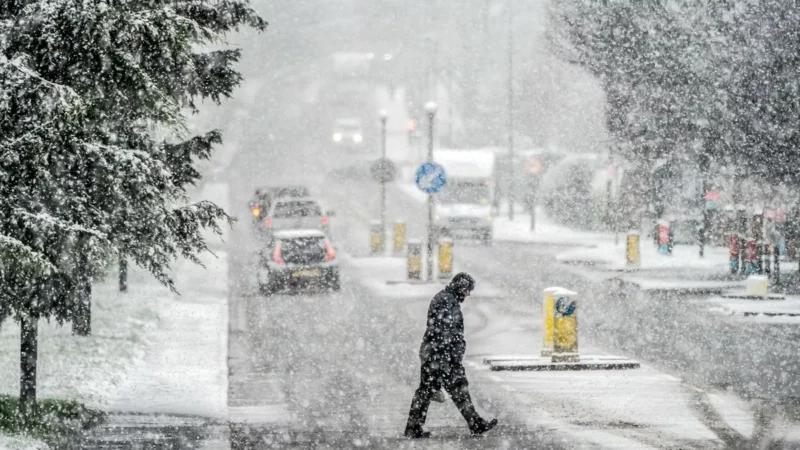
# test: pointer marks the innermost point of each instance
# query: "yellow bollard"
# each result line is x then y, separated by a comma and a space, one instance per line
376, 238
548, 309
399, 237
414, 260
445, 258
632, 254
565, 327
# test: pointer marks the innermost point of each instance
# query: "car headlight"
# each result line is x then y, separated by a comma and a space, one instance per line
436, 217
337, 137
357, 138
489, 218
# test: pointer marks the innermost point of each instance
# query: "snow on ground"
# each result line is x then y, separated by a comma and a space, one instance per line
614, 409
547, 231
91, 368
184, 370
787, 310
387, 278
734, 411
633, 402
610, 256
21, 443
144, 345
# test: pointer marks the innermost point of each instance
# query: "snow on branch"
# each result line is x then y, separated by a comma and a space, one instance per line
54, 222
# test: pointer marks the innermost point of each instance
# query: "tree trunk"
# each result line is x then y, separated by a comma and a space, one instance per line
28, 355
123, 274
82, 316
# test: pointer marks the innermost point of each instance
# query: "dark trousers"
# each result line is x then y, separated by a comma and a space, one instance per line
437, 373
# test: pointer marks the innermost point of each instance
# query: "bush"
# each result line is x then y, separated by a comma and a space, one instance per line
48, 418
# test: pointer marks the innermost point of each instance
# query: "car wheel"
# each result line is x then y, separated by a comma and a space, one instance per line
264, 289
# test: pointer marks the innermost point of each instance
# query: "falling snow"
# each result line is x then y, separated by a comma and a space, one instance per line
236, 224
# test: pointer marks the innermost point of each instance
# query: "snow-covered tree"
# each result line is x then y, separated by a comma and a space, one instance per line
85, 83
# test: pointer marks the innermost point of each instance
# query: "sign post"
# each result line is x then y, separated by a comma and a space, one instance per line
533, 167
384, 116
430, 179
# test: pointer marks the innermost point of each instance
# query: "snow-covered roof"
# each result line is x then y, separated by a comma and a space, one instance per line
292, 234
466, 163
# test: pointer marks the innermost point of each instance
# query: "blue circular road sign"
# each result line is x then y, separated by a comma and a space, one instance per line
565, 306
431, 178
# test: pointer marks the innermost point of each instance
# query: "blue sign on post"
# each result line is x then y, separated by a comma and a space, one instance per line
565, 306
431, 178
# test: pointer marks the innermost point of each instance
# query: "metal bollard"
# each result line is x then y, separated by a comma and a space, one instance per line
777, 264
445, 258
766, 257
376, 238
548, 310
399, 237
565, 327
632, 254
414, 260
733, 252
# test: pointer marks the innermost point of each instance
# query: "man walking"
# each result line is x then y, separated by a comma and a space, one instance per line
441, 353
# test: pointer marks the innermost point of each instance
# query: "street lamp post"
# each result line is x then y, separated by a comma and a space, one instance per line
430, 109
512, 177
384, 116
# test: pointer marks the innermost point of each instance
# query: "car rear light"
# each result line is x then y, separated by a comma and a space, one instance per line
331, 253
256, 211
276, 254
324, 220
268, 223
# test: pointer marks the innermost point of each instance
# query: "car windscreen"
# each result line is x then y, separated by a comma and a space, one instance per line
295, 209
474, 192
348, 128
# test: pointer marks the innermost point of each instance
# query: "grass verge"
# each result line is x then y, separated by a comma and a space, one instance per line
48, 419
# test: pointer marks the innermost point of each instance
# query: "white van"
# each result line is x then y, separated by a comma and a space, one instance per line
463, 208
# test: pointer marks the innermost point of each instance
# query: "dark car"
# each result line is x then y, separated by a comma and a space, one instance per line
298, 259
265, 196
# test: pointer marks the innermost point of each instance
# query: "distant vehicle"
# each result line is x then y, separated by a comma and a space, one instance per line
293, 213
348, 132
463, 207
265, 196
298, 258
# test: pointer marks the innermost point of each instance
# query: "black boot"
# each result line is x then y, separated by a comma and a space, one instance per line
416, 433
481, 426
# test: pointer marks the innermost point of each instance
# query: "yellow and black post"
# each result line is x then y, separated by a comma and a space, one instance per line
565, 327
445, 258
632, 254
548, 310
414, 260
376, 238
399, 237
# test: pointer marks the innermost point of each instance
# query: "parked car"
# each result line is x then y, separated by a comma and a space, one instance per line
298, 259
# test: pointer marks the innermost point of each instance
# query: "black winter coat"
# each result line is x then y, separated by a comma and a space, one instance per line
444, 337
